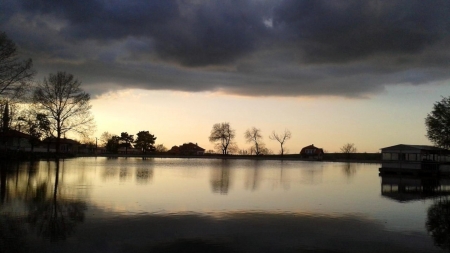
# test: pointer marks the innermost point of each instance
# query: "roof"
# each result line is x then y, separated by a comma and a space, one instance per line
311, 146
62, 141
420, 147
191, 145
15, 134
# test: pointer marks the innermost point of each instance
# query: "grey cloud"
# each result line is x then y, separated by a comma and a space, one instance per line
336, 31
247, 47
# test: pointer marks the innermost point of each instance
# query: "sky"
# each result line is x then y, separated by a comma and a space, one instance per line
332, 72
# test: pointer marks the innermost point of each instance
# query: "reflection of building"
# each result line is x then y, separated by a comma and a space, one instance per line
414, 159
187, 149
413, 188
312, 152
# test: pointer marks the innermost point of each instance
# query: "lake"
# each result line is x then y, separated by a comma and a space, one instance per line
218, 205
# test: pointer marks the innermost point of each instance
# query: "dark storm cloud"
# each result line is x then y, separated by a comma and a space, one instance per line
347, 48
334, 31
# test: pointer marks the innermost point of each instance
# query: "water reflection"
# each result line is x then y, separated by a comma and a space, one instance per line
349, 169
438, 223
263, 206
52, 216
253, 175
408, 188
220, 177
40, 199
143, 175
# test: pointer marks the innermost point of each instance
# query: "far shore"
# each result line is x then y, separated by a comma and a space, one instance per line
330, 157
327, 157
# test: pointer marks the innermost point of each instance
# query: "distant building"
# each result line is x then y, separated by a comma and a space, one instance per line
187, 149
312, 152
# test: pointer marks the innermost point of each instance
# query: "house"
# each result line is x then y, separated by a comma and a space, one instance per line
187, 149
415, 153
312, 152
65, 145
13, 139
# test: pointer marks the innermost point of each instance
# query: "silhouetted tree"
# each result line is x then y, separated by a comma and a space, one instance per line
254, 136
105, 137
348, 149
282, 138
160, 148
37, 126
126, 140
113, 144
6, 118
15, 74
223, 135
145, 141
65, 104
438, 124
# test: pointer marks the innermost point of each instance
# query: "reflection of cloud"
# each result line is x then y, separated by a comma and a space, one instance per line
246, 232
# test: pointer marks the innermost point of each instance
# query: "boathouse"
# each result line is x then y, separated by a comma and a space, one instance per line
414, 159
414, 153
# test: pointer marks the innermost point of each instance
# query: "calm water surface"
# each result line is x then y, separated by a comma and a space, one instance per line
214, 205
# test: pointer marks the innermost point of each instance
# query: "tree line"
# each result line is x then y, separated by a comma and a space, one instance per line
144, 141
223, 137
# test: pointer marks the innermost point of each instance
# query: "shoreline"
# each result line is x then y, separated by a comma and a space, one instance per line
294, 157
328, 157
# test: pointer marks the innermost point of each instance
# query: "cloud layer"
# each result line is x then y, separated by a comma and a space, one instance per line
249, 47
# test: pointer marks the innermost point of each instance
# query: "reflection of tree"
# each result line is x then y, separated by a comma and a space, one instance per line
253, 176
3, 169
123, 174
220, 177
143, 175
438, 223
349, 169
52, 218
12, 235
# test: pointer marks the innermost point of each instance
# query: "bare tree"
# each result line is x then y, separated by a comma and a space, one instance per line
160, 148
15, 74
282, 138
348, 149
105, 137
223, 135
65, 104
254, 136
